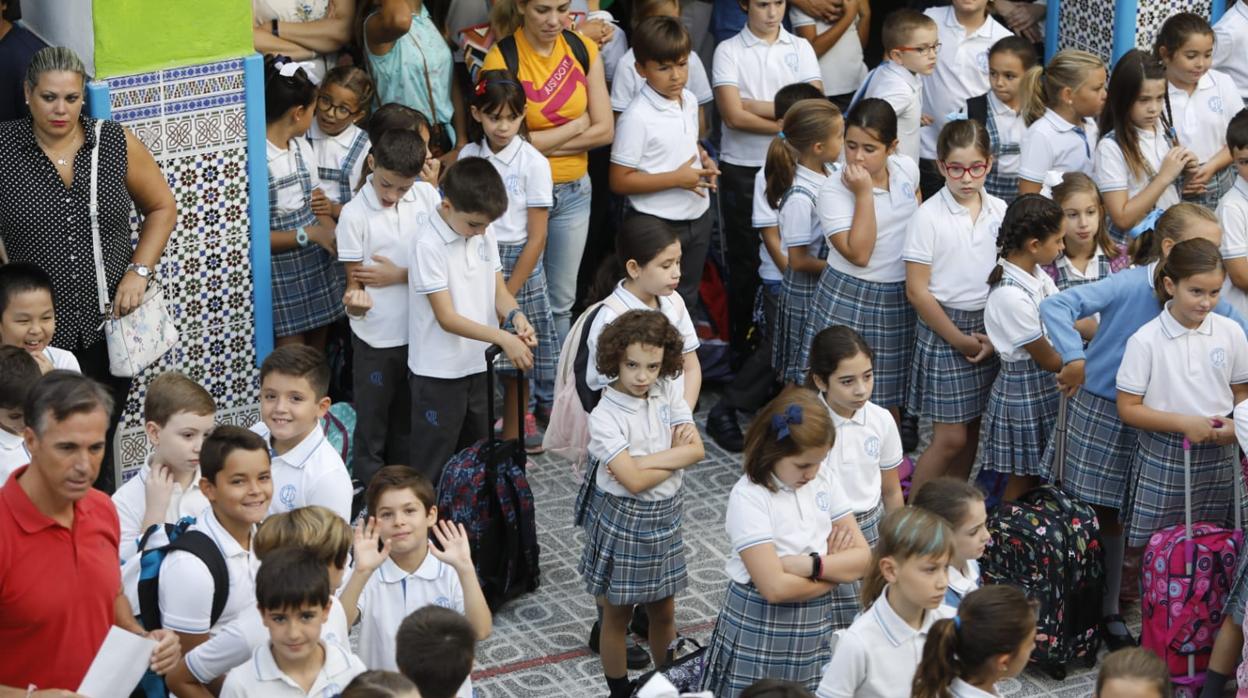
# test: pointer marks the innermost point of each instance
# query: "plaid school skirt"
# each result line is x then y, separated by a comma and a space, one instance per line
535, 304
1238, 597
1099, 449
307, 287
1022, 411
846, 601
880, 313
634, 551
1157, 485
796, 293
944, 386
754, 639
1217, 187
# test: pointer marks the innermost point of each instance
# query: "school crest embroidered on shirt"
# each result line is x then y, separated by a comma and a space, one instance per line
287, 496
872, 446
1218, 357
821, 501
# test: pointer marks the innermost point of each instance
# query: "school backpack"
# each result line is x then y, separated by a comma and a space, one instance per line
339, 427
1186, 576
714, 348
511, 54
1048, 544
484, 487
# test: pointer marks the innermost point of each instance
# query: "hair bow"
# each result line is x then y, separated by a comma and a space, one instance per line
287, 69
1149, 222
780, 422
956, 116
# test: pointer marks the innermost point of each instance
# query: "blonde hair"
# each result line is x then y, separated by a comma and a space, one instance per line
1079, 183
1170, 226
808, 122
905, 533
313, 528
52, 59
1135, 663
1041, 85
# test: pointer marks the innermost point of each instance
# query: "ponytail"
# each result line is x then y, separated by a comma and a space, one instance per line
992, 621
1186, 259
1040, 87
1031, 87
779, 169
806, 124
1029, 217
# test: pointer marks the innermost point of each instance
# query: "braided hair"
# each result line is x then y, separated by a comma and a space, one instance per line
1029, 217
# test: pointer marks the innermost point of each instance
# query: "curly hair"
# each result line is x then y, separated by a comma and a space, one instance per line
1029, 217
647, 327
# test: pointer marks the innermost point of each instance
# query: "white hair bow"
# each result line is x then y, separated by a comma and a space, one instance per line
288, 69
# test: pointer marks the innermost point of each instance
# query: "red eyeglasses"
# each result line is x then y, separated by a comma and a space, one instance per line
977, 170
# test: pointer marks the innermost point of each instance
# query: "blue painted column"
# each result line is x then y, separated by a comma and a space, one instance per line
1051, 24
1219, 7
258, 194
1126, 14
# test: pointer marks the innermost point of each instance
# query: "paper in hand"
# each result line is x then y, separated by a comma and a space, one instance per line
118, 666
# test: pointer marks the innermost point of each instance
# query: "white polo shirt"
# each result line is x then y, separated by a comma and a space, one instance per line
1012, 315
866, 444
331, 151
186, 584
961, 70
655, 135
1112, 174
1010, 130
876, 657
130, 500
758, 70
235, 641
841, 65
764, 216
1200, 119
626, 84
1051, 144
893, 83
1233, 214
799, 221
796, 522
466, 267
283, 163
311, 473
894, 207
1230, 46
959, 586
61, 359
13, 454
962, 689
673, 308
526, 174
392, 594
262, 677
961, 252
1185, 371
641, 426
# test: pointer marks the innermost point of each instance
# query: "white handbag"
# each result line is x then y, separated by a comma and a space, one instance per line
139, 339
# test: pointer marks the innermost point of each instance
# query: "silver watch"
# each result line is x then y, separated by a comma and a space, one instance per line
142, 270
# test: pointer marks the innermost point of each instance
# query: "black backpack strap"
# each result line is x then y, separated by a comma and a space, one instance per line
977, 109
580, 366
511, 55
577, 46
201, 546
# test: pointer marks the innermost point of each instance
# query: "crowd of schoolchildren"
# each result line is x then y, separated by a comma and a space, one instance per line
961, 234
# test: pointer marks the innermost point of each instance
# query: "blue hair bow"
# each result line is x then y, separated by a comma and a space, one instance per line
780, 422
959, 115
1149, 222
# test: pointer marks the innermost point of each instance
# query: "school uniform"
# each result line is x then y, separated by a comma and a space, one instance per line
655, 135
1053, 146
867, 444
186, 587
626, 84
634, 550
311, 473
526, 172
841, 66
765, 216
234, 643
672, 307
962, 689
262, 677
1022, 407
1099, 447
1186, 372
877, 656
1230, 46
339, 159
307, 288
1111, 172
393, 594
131, 502
871, 299
1066, 275
893, 83
1005, 128
447, 371
366, 228
799, 226
959, 586
754, 639
944, 386
13, 454
1233, 214
1200, 120
61, 359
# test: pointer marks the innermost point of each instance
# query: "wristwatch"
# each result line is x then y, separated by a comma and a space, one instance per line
142, 270
301, 236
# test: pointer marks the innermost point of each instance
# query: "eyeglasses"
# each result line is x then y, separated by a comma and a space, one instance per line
921, 50
338, 111
977, 170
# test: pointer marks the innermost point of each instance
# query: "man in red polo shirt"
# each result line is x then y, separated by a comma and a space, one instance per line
60, 574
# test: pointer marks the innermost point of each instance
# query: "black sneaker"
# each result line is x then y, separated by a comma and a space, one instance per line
909, 432
1116, 640
637, 657
722, 426
640, 624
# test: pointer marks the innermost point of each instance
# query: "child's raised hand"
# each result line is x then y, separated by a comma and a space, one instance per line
382, 272
158, 490
368, 555
857, 179
454, 541
1174, 162
358, 302
431, 171
926, 120
1198, 430
517, 351
690, 177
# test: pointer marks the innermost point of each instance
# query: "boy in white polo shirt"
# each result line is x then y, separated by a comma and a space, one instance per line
293, 595
178, 414
655, 159
28, 316
911, 43
294, 395
748, 70
373, 231
408, 573
1233, 214
18, 371
457, 301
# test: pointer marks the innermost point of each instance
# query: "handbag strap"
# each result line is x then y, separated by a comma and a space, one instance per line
428, 85
101, 284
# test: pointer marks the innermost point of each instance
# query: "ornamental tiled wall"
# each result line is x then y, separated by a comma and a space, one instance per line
1089, 24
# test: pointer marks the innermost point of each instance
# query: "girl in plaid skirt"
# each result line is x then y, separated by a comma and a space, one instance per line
1000, 111
1089, 253
961, 505
339, 143
641, 438
794, 540
307, 283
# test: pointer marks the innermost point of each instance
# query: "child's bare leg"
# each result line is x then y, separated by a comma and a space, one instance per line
960, 466
611, 645
662, 628
948, 441
514, 389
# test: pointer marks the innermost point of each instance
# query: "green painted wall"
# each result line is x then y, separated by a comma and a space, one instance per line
139, 36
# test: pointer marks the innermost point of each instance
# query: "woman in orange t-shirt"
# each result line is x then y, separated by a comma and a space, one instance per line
568, 114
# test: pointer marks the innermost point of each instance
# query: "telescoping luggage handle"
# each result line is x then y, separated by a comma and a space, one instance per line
491, 355
1059, 449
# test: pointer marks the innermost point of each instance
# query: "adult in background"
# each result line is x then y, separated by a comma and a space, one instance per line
45, 173
309, 31
17, 46
60, 575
